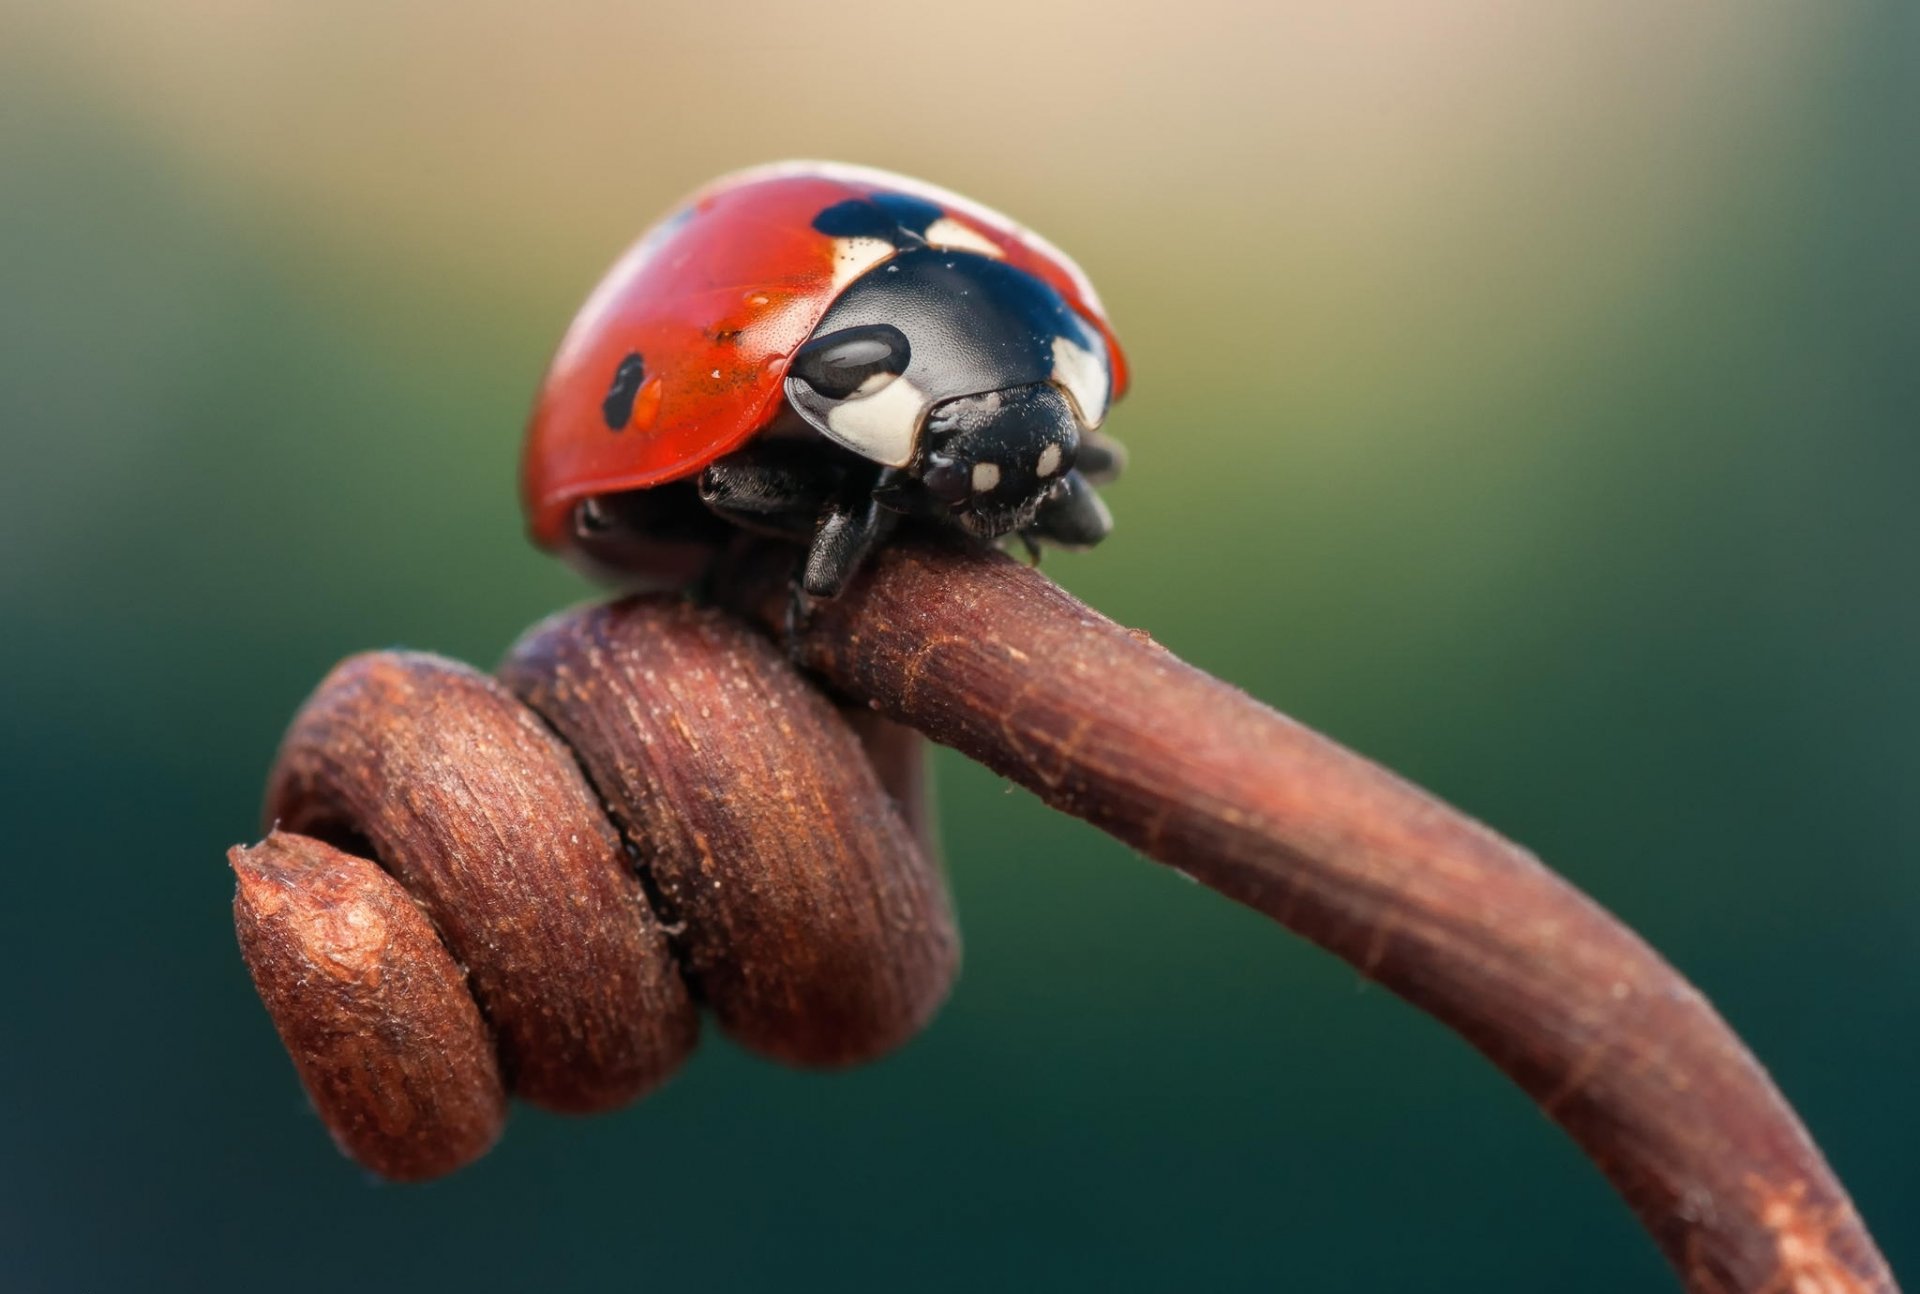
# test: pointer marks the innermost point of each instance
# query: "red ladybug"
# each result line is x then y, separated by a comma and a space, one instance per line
818, 352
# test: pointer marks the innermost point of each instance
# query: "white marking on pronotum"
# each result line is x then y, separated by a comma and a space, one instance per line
985, 477
1083, 375
853, 257
948, 232
1049, 461
882, 426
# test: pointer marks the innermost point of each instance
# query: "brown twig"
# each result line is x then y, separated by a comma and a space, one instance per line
374, 1011
811, 925
481, 814
776, 844
991, 658
800, 908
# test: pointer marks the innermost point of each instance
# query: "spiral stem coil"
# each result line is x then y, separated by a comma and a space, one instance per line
647, 809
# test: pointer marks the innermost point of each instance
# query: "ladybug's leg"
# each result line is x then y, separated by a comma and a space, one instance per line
794, 491
1101, 458
1073, 515
853, 525
772, 488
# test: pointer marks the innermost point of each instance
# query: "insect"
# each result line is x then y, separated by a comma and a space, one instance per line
822, 352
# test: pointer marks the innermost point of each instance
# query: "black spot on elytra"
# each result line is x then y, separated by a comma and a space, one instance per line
617, 408
893, 217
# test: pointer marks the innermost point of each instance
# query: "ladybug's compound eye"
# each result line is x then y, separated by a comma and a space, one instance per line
853, 361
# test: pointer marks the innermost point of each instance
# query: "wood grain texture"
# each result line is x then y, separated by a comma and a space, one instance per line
989, 657
899, 756
481, 814
810, 921
375, 1013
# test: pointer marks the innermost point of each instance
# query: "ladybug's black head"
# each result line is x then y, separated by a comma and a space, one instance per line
991, 460
971, 377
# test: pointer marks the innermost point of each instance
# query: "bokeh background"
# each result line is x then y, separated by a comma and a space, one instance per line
1526, 394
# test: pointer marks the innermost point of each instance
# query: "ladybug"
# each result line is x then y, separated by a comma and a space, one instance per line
821, 352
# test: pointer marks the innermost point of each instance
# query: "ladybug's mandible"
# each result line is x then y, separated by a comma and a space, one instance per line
818, 352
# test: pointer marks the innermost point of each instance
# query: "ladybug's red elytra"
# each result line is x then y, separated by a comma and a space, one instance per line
819, 352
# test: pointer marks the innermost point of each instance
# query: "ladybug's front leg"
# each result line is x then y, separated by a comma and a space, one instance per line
1101, 458
853, 525
795, 492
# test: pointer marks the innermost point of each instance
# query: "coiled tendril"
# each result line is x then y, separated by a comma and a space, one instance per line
648, 807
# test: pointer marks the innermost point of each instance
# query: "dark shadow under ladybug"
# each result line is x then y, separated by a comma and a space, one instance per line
942, 387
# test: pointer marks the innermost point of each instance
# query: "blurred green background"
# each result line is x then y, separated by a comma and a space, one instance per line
1525, 395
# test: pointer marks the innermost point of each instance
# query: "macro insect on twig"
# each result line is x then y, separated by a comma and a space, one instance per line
652, 809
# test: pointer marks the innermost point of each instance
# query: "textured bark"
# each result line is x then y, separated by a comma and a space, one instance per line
373, 1010
989, 657
483, 816
810, 921
899, 756
820, 934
